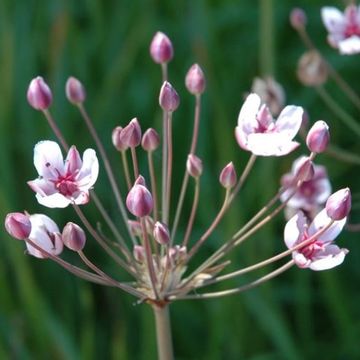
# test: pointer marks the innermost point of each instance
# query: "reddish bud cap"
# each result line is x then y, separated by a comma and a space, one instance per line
75, 91
116, 140
131, 134
140, 181
168, 99
195, 80
298, 18
338, 205
139, 201
228, 176
39, 94
18, 225
73, 236
150, 140
161, 49
161, 233
318, 137
194, 166
139, 253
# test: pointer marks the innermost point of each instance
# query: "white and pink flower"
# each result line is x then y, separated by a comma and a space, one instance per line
321, 253
63, 182
259, 133
343, 28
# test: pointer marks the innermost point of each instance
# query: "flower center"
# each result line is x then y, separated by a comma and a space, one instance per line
66, 185
311, 249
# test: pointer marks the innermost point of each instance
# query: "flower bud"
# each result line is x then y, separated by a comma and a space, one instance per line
140, 181
150, 140
304, 170
39, 94
135, 227
338, 205
75, 91
318, 137
161, 233
161, 49
131, 134
115, 137
195, 80
298, 18
139, 201
18, 225
139, 253
194, 166
228, 176
168, 99
312, 70
73, 237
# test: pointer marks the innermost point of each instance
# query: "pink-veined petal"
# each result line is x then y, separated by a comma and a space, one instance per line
89, 171
289, 121
323, 190
55, 200
42, 186
247, 116
300, 260
331, 256
333, 19
82, 198
241, 137
73, 161
294, 229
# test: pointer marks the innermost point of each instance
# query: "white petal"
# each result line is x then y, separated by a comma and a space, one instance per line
247, 115
289, 121
331, 257
350, 45
241, 137
42, 187
82, 198
53, 201
89, 171
300, 260
333, 19
294, 229
48, 159
321, 220
323, 190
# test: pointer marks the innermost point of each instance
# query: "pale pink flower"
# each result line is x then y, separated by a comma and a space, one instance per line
343, 28
311, 193
259, 133
63, 182
321, 253
45, 234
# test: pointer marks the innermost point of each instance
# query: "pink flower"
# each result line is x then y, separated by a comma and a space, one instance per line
45, 234
259, 133
63, 182
321, 253
311, 193
343, 28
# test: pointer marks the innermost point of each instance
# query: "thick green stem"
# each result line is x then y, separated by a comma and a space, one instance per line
163, 332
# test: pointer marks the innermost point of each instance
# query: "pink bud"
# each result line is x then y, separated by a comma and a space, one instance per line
150, 140
168, 99
298, 18
318, 137
338, 205
18, 225
135, 227
139, 201
195, 80
73, 237
39, 94
161, 49
139, 253
161, 233
194, 166
304, 170
119, 145
140, 181
228, 176
131, 134
75, 91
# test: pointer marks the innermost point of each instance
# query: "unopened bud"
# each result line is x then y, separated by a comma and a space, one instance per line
131, 134
195, 80
228, 176
338, 205
150, 140
161, 49
18, 225
73, 237
304, 170
75, 91
139, 201
135, 227
298, 18
194, 166
139, 253
161, 233
140, 181
318, 137
39, 94
168, 99
116, 140
312, 70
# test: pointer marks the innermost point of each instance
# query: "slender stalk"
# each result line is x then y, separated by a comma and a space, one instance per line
169, 166
164, 167
126, 169
135, 162
195, 135
153, 184
163, 332
266, 43
55, 129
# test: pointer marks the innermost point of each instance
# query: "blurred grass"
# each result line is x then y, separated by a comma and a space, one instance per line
44, 311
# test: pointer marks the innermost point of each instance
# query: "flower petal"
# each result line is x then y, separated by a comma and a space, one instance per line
73, 161
350, 45
294, 229
42, 187
332, 256
247, 116
289, 121
55, 200
333, 19
89, 171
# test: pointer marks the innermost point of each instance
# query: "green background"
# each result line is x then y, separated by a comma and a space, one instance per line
47, 313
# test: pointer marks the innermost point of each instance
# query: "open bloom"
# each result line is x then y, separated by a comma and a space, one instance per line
343, 28
45, 234
63, 182
259, 133
321, 253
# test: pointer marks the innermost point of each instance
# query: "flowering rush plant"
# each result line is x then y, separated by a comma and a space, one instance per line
151, 251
